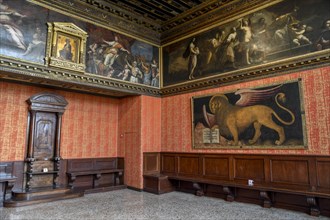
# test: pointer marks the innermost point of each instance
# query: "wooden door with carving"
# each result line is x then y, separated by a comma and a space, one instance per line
43, 149
42, 163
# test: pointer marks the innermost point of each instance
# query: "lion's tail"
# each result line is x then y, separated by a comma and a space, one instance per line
281, 96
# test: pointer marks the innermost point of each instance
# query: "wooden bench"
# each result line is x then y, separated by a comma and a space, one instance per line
264, 191
8, 182
97, 174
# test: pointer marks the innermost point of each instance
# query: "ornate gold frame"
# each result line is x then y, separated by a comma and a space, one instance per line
66, 46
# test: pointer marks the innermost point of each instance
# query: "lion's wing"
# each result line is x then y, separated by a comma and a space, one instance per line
254, 96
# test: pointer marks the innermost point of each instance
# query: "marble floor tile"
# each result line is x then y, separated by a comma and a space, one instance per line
129, 204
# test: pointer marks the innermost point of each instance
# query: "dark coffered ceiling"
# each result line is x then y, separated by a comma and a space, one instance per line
156, 21
157, 10
164, 20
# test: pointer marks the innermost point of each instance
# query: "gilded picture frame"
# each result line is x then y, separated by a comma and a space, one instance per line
66, 46
271, 116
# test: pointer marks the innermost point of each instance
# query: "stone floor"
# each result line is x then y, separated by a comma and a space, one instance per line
129, 204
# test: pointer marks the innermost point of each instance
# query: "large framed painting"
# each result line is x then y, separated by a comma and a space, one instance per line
264, 37
32, 33
266, 117
120, 57
23, 31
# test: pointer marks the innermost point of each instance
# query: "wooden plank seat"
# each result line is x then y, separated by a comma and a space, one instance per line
97, 174
8, 181
264, 191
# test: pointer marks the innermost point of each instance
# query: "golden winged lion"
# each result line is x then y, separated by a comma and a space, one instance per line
234, 119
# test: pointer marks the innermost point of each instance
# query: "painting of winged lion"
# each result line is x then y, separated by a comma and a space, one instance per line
269, 116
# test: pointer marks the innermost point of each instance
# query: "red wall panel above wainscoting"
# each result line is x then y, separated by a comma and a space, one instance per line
89, 124
176, 133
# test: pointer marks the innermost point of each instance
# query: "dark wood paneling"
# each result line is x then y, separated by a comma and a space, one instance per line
324, 206
298, 182
188, 165
105, 163
290, 201
168, 164
80, 164
216, 167
215, 191
157, 183
290, 171
245, 168
248, 195
323, 174
151, 163
94, 173
120, 163
63, 179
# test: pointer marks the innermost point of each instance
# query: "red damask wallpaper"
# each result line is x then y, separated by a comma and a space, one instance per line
139, 129
176, 114
95, 126
89, 126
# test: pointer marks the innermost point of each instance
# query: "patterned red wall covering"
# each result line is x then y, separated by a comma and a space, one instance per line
89, 125
96, 126
176, 114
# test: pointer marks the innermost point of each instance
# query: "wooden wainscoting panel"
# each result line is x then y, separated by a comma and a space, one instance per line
323, 174
105, 163
188, 165
84, 181
63, 178
107, 179
80, 164
168, 163
290, 171
18, 171
150, 163
120, 163
216, 167
249, 168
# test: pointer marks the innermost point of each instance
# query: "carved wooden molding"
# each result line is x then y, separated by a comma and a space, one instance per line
11, 69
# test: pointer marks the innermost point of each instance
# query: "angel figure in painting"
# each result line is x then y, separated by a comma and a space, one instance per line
233, 120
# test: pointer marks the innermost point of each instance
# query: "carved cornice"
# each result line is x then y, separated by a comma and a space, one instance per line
317, 59
37, 74
15, 70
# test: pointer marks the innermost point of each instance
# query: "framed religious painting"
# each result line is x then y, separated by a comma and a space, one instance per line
66, 46
280, 34
266, 117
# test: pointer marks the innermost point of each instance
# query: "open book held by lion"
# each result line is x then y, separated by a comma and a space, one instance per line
235, 119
